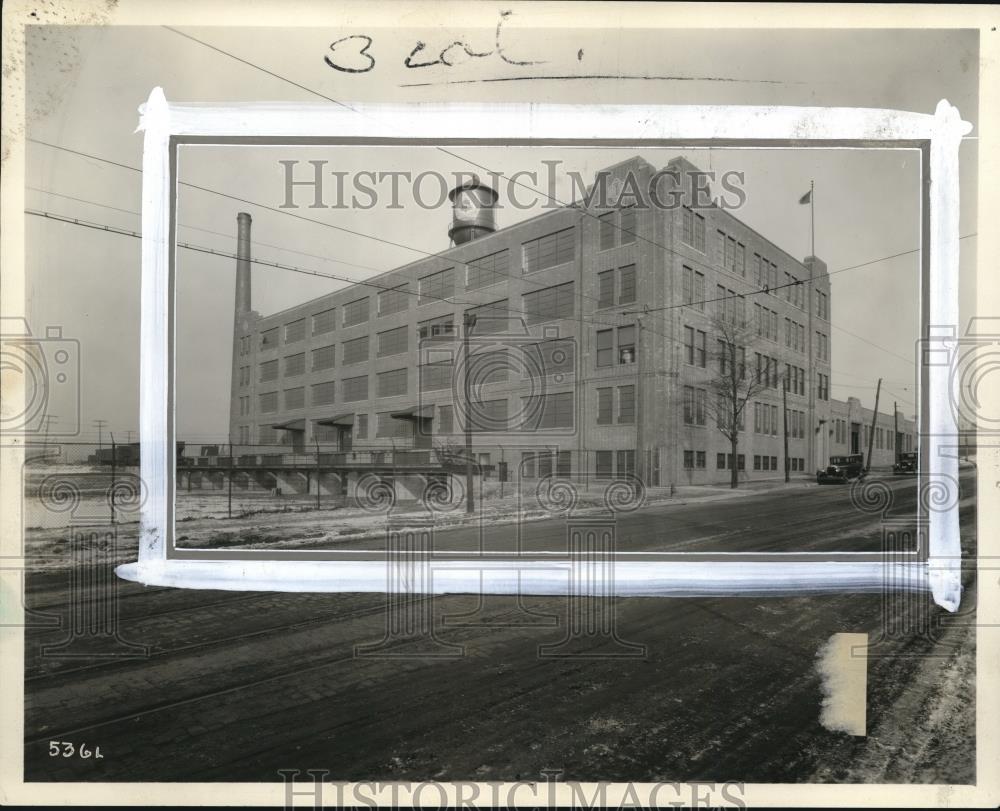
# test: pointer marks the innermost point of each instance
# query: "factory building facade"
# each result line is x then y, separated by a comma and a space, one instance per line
593, 347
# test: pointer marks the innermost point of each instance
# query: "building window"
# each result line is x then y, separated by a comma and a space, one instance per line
626, 345
693, 288
823, 386
699, 460
628, 225
756, 462
605, 399
554, 356
607, 230
548, 251
436, 376
446, 419
606, 288
626, 284
626, 405
605, 461
269, 338
436, 286
356, 351
489, 366
324, 322
355, 388
626, 464
489, 416
388, 428
774, 463
295, 398
694, 347
487, 270
393, 342
606, 349
547, 411
688, 460
693, 229
295, 331
822, 305
766, 462
436, 327
268, 371
550, 303
564, 463
393, 301
322, 393
492, 318
694, 405
361, 426
323, 357
295, 365
391, 383
268, 403
356, 312
720, 461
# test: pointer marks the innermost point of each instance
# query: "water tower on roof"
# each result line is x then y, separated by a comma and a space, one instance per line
473, 211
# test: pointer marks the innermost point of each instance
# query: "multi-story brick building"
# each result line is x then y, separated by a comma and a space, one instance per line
592, 354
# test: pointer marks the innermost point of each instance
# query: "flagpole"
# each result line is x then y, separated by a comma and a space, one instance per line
812, 219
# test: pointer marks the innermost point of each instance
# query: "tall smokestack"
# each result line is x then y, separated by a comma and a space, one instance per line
243, 263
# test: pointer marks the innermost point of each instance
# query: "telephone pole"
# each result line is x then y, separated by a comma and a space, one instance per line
895, 431
468, 323
784, 412
871, 433
111, 490
100, 433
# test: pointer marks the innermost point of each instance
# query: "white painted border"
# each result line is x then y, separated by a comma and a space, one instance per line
438, 122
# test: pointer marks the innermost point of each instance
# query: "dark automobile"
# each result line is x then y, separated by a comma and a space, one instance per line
906, 464
842, 469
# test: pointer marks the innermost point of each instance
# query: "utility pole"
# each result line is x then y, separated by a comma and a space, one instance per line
784, 412
316, 441
229, 506
100, 433
871, 433
895, 431
639, 439
468, 323
114, 453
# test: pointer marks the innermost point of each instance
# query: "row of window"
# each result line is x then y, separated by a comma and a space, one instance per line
695, 460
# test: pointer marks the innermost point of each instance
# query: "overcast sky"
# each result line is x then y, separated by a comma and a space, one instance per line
84, 86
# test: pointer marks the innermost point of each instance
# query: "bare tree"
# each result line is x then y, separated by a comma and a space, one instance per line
734, 383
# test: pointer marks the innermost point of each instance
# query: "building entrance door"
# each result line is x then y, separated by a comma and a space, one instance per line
344, 437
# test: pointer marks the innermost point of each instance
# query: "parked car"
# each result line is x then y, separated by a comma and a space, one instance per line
907, 464
842, 469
